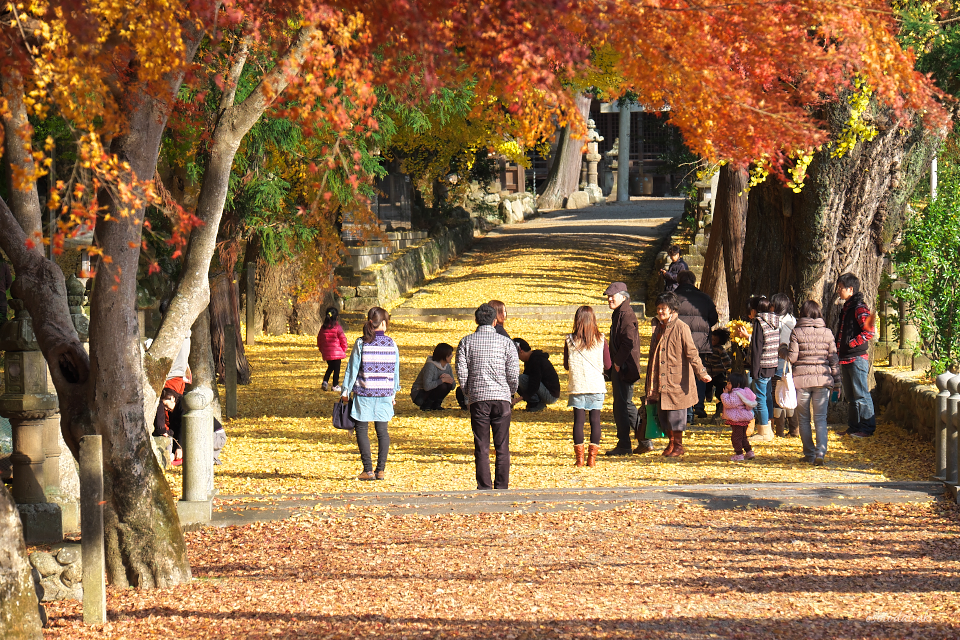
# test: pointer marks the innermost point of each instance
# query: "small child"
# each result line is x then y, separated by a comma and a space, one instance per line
332, 343
674, 266
738, 403
718, 364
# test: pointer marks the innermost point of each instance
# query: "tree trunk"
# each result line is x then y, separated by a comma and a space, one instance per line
564, 176
25, 203
714, 281
731, 207
19, 611
224, 311
846, 218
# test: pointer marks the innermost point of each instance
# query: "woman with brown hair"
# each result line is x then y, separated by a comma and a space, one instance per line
373, 374
586, 356
501, 310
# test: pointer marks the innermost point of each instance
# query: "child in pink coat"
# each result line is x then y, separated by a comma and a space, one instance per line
738, 403
332, 342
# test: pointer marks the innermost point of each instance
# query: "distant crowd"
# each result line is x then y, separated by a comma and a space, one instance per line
778, 383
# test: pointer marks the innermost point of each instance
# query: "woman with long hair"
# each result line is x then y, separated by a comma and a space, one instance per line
501, 310
373, 375
586, 356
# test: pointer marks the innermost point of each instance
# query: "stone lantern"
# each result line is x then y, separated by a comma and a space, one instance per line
593, 158
27, 403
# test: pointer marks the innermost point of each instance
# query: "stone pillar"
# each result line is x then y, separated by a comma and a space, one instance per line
27, 403
623, 161
196, 503
940, 430
612, 160
91, 530
953, 425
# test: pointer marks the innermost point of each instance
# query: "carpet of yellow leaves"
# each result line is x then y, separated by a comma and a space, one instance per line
643, 571
284, 441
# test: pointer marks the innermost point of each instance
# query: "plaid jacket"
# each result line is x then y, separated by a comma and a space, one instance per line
487, 366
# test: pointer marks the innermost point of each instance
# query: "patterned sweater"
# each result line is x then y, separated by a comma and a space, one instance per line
376, 378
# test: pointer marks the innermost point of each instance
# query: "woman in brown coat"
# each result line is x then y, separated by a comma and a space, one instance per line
813, 354
673, 365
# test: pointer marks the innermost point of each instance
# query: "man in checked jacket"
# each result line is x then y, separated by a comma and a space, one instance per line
488, 370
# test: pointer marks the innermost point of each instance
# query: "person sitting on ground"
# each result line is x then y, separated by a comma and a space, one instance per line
718, 364
539, 382
332, 343
435, 379
671, 272
169, 423
501, 310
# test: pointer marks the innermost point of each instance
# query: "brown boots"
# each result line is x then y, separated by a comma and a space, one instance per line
677, 450
784, 422
578, 451
592, 455
779, 419
794, 422
669, 448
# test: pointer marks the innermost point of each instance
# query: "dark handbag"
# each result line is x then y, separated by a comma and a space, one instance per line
341, 416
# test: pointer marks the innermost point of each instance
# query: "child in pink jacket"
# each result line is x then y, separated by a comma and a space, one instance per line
332, 342
738, 403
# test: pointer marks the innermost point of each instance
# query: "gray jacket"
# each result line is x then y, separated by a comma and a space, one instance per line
429, 377
813, 353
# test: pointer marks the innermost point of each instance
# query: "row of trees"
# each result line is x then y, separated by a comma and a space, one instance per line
240, 95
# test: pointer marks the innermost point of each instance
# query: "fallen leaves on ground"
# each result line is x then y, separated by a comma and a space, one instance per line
643, 571
285, 441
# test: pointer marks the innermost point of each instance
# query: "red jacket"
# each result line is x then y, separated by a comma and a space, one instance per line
332, 343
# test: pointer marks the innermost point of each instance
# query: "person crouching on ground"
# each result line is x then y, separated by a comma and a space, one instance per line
435, 380
539, 383
488, 371
813, 353
738, 404
586, 356
373, 374
169, 423
673, 366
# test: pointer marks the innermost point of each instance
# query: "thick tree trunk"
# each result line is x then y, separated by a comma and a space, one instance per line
731, 207
225, 311
564, 176
25, 203
846, 218
19, 613
714, 281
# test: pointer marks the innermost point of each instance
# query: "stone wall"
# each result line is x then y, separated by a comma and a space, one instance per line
58, 574
386, 281
900, 399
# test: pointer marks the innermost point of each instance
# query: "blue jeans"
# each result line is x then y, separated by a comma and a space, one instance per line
860, 416
812, 402
762, 388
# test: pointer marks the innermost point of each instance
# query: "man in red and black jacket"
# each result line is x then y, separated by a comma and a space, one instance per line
854, 333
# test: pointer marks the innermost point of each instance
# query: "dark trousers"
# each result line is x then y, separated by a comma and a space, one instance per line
363, 441
580, 419
624, 411
739, 440
333, 367
484, 416
713, 389
701, 391
434, 398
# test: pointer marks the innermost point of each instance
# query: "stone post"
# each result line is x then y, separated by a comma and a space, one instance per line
251, 303
940, 430
230, 369
91, 530
953, 425
27, 404
195, 505
623, 174
613, 162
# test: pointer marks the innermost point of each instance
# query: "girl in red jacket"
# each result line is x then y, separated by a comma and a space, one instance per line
332, 342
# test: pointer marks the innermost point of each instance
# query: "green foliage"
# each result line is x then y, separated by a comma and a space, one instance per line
928, 261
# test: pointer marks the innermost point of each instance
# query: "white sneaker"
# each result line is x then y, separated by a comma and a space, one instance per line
325, 386
338, 388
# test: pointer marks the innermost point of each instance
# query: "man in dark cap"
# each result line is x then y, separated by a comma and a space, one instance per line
625, 353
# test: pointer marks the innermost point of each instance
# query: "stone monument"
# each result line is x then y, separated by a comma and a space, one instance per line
592, 159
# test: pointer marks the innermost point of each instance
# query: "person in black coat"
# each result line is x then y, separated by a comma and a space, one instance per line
699, 312
671, 273
625, 353
539, 382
